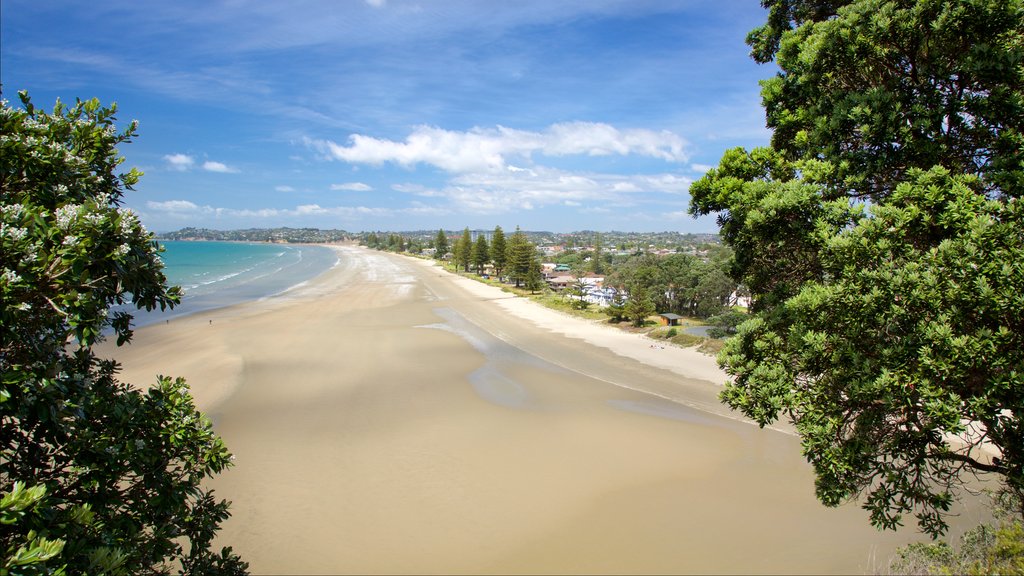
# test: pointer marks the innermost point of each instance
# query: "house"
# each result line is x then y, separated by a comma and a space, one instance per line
561, 282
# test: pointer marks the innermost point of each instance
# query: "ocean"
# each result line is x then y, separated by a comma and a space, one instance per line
218, 274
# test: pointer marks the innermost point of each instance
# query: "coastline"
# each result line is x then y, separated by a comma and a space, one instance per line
217, 293
388, 417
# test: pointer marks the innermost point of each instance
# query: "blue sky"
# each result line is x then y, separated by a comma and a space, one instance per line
405, 114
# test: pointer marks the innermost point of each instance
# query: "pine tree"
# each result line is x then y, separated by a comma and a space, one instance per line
499, 249
465, 249
481, 254
520, 256
440, 245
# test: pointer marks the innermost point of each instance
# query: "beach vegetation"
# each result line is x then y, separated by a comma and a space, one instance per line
462, 252
880, 238
521, 256
725, 324
616, 310
481, 254
679, 283
639, 306
534, 280
577, 293
372, 241
97, 476
597, 261
499, 251
440, 245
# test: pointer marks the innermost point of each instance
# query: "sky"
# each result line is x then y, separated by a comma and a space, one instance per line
404, 114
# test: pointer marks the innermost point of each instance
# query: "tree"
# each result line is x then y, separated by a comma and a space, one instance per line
534, 279
712, 292
96, 476
440, 245
880, 239
464, 250
520, 256
481, 254
597, 256
639, 306
578, 293
724, 324
457, 253
498, 251
617, 308
372, 241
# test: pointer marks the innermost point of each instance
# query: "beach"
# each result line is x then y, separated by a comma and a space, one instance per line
391, 417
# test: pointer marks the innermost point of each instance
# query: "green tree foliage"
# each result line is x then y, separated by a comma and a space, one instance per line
457, 253
499, 251
520, 256
464, 250
372, 241
577, 292
617, 308
395, 243
725, 324
679, 283
96, 476
534, 280
440, 245
880, 237
481, 254
982, 550
597, 256
639, 305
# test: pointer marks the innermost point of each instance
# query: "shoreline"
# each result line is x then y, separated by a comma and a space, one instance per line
387, 418
687, 362
235, 295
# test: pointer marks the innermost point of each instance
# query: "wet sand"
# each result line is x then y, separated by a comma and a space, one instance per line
389, 417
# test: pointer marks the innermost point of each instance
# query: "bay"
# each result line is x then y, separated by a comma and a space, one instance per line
220, 274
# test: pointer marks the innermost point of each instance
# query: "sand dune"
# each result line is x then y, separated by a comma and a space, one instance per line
389, 417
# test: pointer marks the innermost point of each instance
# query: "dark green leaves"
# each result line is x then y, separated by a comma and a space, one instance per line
881, 238
95, 476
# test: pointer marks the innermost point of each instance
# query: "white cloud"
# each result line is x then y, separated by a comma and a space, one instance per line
184, 209
489, 149
352, 187
376, 3
500, 192
173, 206
180, 162
284, 189
211, 166
701, 168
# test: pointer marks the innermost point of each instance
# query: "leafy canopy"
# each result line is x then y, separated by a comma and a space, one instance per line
96, 476
880, 237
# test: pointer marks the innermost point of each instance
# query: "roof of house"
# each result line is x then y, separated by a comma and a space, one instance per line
670, 316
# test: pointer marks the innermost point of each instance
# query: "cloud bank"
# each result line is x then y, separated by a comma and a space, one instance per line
499, 170
492, 149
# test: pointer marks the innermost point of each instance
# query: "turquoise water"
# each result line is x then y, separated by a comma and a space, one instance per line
218, 274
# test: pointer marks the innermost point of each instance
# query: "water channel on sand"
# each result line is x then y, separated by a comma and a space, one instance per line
392, 421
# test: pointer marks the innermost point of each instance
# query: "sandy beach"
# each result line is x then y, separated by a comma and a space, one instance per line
390, 417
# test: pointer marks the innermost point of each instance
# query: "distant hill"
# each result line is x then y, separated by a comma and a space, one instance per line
280, 235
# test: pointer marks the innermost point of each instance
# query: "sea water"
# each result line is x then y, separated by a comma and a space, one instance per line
219, 274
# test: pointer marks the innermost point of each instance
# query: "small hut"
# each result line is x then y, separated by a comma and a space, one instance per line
669, 319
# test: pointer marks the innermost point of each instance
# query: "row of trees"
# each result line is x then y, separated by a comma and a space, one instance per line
643, 283
515, 257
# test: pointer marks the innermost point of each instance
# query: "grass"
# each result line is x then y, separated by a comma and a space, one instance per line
674, 335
